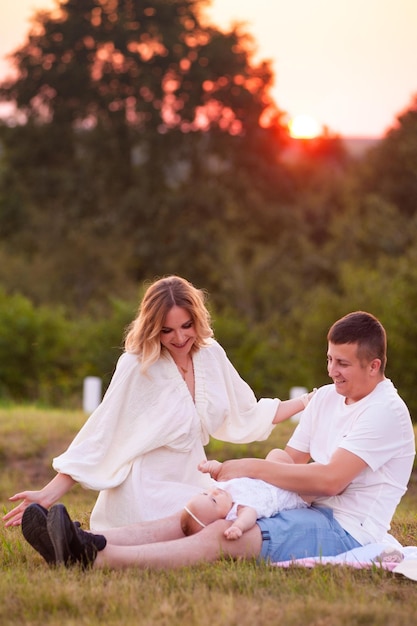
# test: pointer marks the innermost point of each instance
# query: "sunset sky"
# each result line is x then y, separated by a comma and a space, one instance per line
349, 64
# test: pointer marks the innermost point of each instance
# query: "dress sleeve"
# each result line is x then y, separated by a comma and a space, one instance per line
227, 406
138, 414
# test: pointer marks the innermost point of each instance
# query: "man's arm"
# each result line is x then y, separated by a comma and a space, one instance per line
307, 478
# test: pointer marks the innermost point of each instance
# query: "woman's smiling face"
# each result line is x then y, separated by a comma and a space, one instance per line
178, 332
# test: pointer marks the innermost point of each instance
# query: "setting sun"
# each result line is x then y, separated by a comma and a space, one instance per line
304, 127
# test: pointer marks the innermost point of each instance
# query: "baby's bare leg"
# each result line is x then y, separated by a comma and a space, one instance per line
278, 456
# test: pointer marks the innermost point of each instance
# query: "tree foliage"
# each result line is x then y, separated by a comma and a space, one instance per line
134, 70
150, 145
391, 170
36, 351
138, 116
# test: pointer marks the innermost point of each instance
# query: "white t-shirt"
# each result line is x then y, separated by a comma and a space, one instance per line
266, 499
377, 429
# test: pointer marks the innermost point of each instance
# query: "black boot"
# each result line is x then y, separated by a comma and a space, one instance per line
72, 544
34, 529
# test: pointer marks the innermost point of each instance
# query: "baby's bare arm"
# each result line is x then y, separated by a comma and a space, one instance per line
210, 467
246, 518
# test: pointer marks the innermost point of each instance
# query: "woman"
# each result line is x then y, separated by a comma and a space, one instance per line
172, 389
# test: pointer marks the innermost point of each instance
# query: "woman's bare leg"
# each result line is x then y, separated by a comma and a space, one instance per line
165, 529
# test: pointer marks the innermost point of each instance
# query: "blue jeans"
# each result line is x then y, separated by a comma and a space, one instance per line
299, 533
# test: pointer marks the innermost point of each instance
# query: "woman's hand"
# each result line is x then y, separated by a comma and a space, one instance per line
46, 497
14, 517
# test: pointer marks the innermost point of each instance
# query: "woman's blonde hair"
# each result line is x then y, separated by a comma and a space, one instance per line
143, 334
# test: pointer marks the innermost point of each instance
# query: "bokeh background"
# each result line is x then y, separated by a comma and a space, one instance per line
140, 139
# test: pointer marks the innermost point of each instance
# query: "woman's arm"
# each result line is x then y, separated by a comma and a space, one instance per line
46, 496
288, 408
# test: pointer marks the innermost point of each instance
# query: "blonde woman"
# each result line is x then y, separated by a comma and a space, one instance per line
172, 389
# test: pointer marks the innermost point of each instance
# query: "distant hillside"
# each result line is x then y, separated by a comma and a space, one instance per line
357, 146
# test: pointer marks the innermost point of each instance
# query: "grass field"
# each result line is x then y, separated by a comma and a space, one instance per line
226, 593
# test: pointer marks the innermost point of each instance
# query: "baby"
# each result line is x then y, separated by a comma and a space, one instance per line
241, 500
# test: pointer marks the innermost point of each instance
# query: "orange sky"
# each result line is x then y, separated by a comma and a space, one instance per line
351, 64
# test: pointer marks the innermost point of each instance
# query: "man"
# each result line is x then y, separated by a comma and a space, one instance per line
353, 449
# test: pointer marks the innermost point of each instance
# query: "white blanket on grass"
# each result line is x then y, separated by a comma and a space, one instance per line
390, 556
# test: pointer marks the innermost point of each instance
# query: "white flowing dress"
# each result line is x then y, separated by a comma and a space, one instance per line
140, 448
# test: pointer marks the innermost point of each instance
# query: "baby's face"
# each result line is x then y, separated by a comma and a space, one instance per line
211, 505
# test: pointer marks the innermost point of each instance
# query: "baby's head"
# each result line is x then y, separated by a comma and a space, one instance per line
205, 508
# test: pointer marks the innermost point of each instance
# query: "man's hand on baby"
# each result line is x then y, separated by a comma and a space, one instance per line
210, 467
233, 532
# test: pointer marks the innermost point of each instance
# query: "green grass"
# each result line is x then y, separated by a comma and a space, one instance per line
229, 593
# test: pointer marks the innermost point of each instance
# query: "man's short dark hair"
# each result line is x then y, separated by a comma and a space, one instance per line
365, 330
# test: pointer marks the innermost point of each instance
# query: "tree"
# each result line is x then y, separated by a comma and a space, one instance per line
118, 96
133, 71
390, 169
39, 358
369, 227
